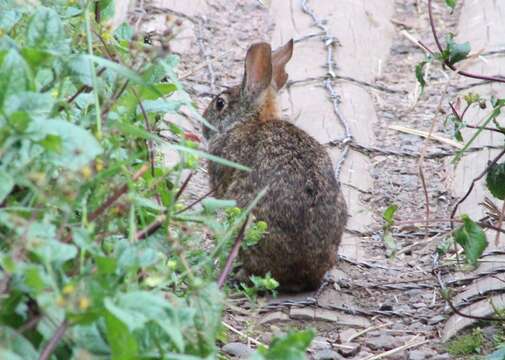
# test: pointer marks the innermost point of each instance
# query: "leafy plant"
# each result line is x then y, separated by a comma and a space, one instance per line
291, 347
472, 238
389, 241
466, 344
260, 284
99, 256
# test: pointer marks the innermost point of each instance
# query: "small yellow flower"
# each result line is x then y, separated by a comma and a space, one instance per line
84, 303
86, 172
60, 301
54, 93
106, 36
68, 289
99, 165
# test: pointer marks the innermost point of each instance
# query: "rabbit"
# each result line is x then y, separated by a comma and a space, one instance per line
304, 206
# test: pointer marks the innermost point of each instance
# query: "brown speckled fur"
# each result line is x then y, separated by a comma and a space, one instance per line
304, 207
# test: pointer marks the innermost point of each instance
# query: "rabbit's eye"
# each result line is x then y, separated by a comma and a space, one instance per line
220, 104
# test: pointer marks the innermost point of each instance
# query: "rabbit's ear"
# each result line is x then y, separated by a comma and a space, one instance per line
258, 69
280, 58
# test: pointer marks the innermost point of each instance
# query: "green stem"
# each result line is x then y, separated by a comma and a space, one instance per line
93, 74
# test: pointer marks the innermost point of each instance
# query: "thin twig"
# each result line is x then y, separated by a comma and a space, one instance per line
240, 333
436, 273
195, 202
51, 345
480, 176
183, 186
232, 255
82, 89
116, 195
151, 228
410, 344
363, 332
500, 222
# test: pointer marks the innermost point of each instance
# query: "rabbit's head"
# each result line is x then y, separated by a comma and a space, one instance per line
255, 98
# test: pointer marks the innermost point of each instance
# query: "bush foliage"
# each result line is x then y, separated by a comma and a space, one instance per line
99, 257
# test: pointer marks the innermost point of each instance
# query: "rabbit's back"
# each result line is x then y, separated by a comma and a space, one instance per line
303, 207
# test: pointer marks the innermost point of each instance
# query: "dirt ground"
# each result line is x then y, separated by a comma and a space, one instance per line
371, 307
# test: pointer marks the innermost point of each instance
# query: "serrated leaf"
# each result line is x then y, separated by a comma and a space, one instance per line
472, 238
495, 180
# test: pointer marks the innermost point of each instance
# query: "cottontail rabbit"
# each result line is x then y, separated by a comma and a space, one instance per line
304, 207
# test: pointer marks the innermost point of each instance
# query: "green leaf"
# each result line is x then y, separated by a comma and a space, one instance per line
137, 308
78, 146
456, 52
389, 214
122, 71
9, 19
14, 75
45, 30
33, 279
122, 343
472, 238
106, 9
451, 3
291, 347
34, 104
163, 89
212, 204
106, 265
495, 180
390, 243
124, 32
42, 242
6, 185
494, 114
51, 143
36, 57
19, 120
420, 75
14, 346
